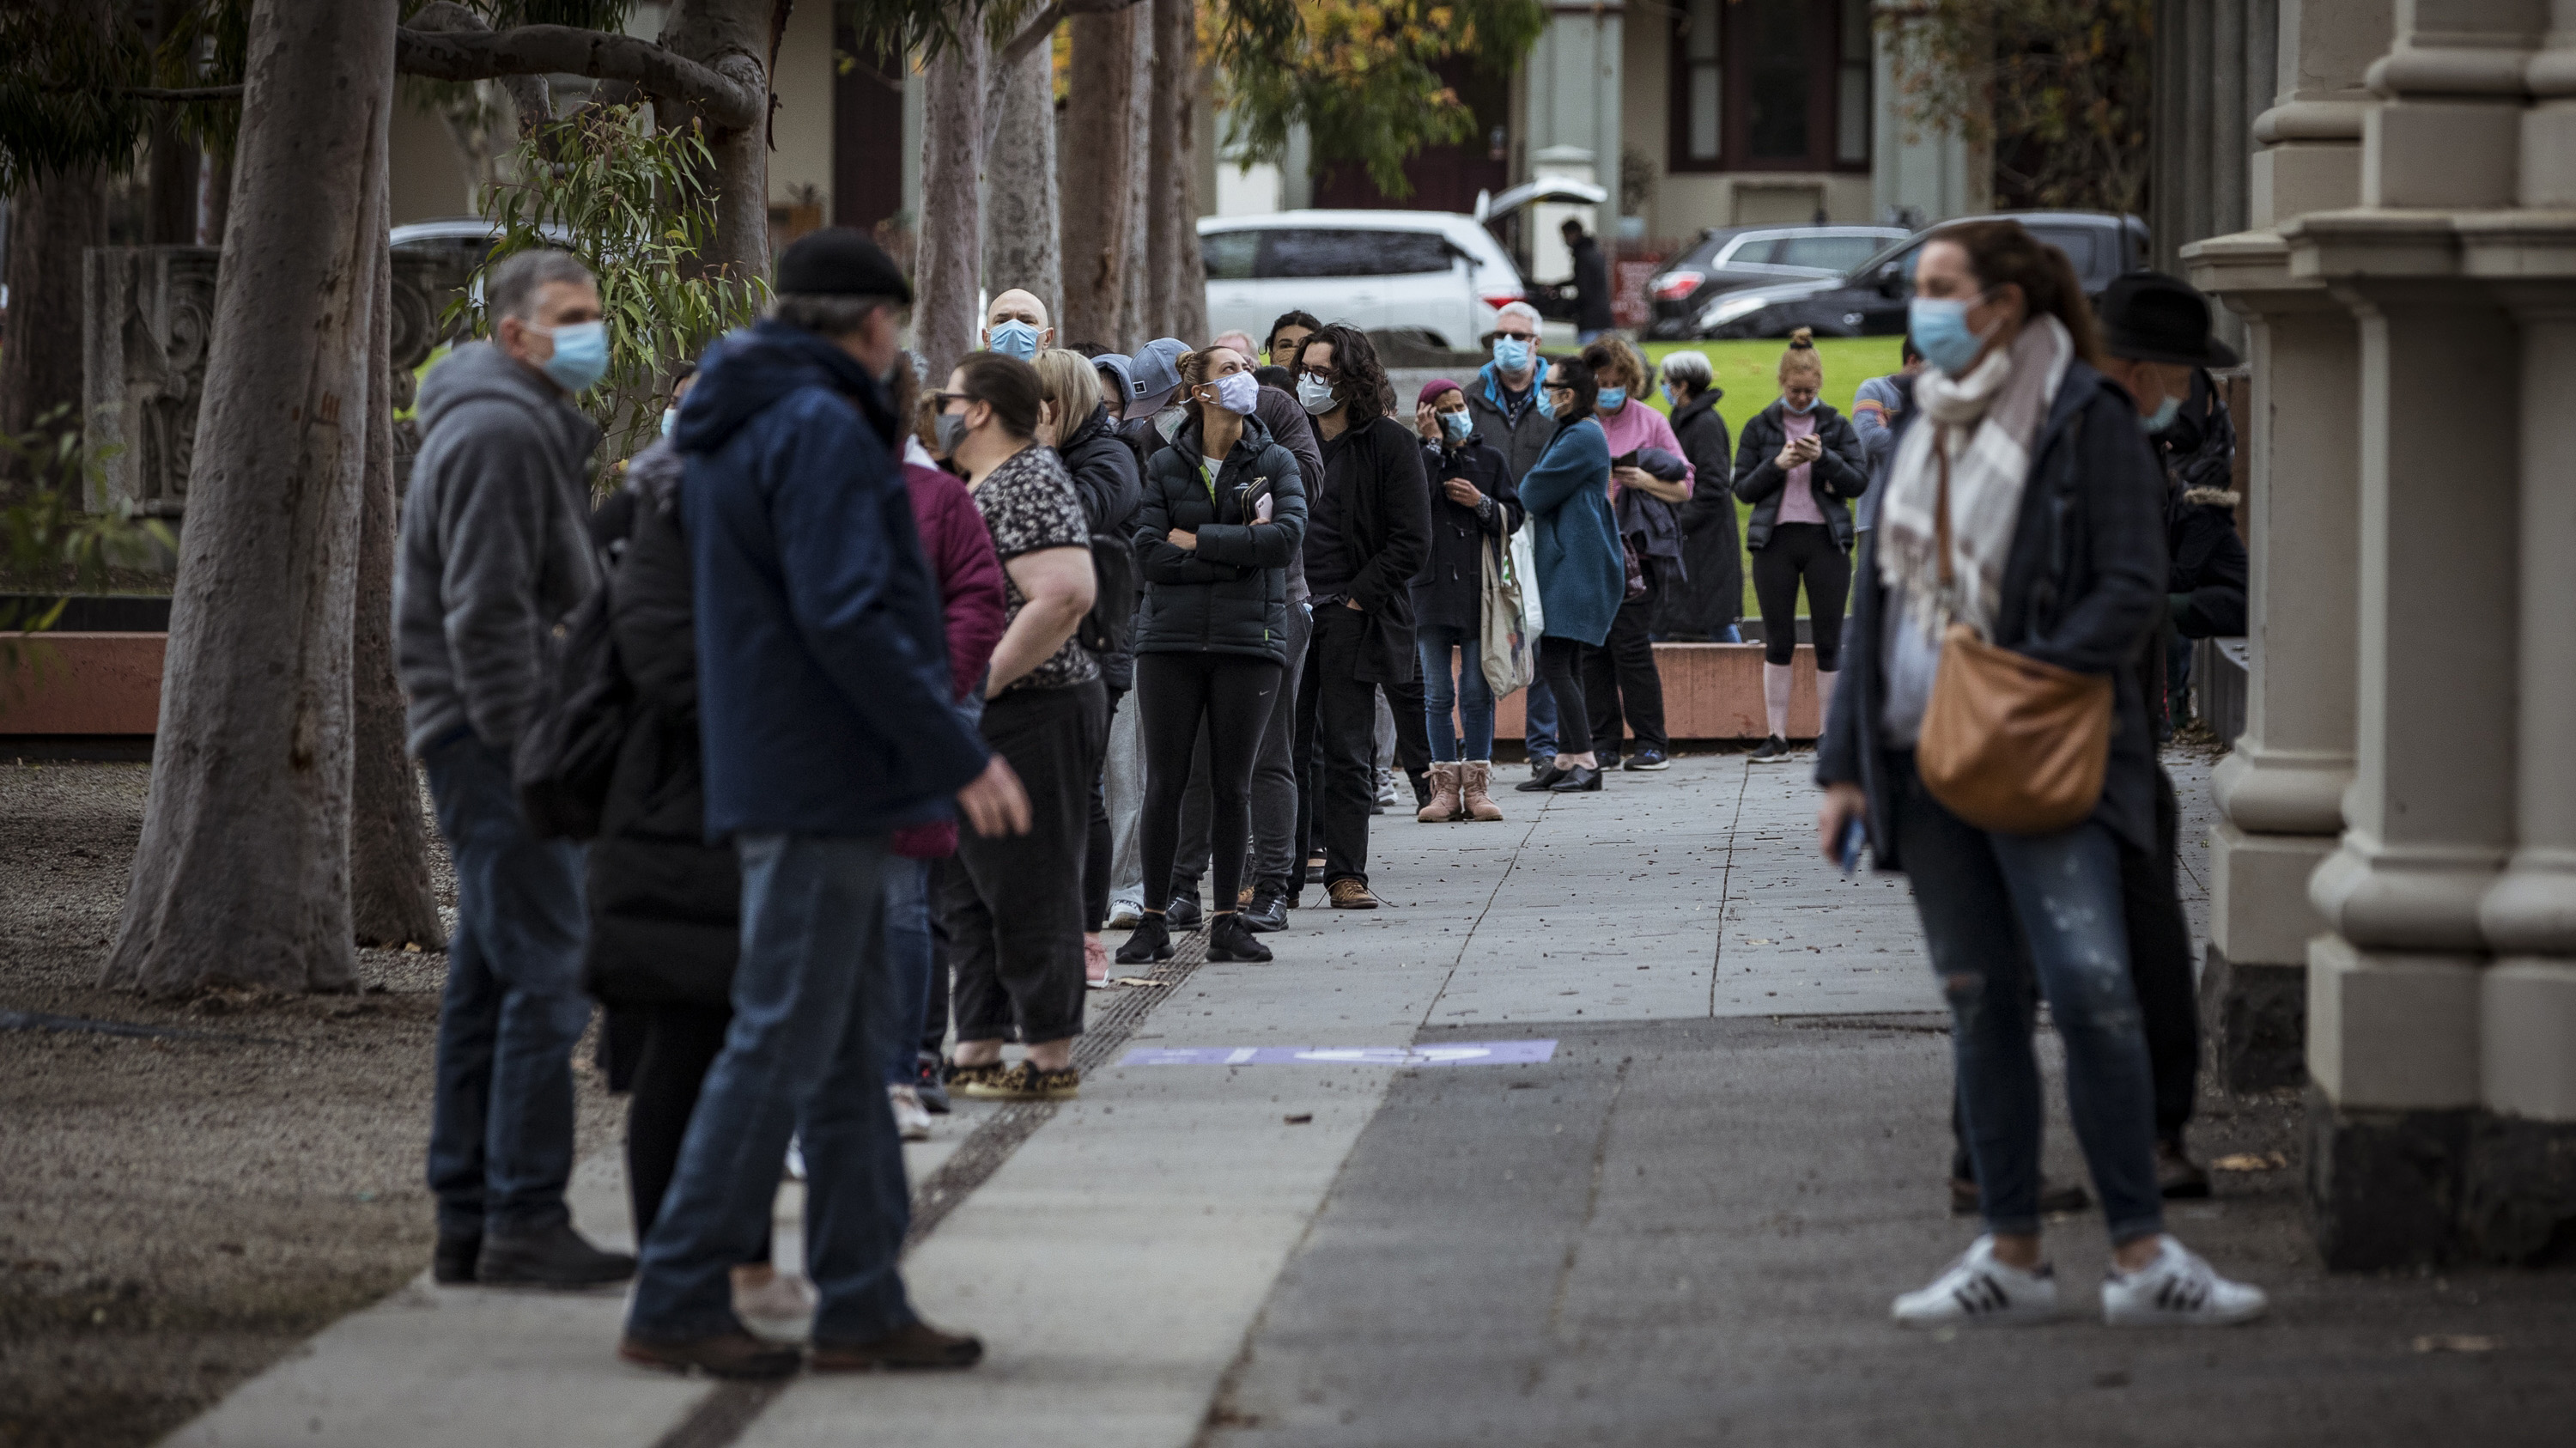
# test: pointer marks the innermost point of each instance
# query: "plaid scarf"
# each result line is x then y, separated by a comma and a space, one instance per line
1979, 429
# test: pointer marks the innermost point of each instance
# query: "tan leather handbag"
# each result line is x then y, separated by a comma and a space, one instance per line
2010, 743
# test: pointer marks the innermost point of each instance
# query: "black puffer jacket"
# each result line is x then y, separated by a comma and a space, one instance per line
1229, 595
1449, 592
665, 907
1103, 467
1838, 475
1711, 596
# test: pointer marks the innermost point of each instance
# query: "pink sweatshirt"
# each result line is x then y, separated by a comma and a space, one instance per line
1637, 425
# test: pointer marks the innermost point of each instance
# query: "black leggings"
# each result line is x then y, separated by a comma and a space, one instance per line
1795, 551
1560, 663
680, 1043
1175, 693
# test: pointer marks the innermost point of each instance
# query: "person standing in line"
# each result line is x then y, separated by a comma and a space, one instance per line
1153, 411
1224, 513
1368, 530
2021, 503
1014, 904
1239, 342
1581, 577
1016, 325
824, 713
1075, 422
1591, 285
1703, 605
1288, 333
1878, 405
1799, 464
1620, 680
1511, 418
1277, 865
495, 550
1472, 515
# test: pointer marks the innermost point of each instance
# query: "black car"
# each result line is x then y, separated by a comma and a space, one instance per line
1731, 257
1870, 299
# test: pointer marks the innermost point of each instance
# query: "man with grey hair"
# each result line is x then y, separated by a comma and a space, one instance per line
495, 551
1504, 405
826, 721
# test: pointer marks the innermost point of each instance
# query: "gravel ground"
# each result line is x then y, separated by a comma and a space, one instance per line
179, 1211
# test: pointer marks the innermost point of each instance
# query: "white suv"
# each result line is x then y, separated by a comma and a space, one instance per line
1433, 270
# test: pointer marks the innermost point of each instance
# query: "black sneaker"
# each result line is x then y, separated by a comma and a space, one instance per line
1230, 938
929, 1085
1646, 761
1773, 750
1268, 910
1183, 913
555, 1256
452, 1262
1150, 942
1609, 760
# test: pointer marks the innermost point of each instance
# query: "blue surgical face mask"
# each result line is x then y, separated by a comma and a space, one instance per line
1316, 397
1015, 338
1457, 425
1238, 392
670, 419
1512, 354
1669, 399
1612, 399
2162, 418
581, 355
1940, 329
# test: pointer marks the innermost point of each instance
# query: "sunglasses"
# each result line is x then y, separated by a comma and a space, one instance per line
942, 399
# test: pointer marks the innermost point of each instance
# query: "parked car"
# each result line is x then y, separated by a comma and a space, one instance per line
1730, 258
1870, 299
1434, 272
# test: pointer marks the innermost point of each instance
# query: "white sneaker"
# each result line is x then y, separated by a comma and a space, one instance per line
2178, 1289
1386, 786
1126, 912
795, 1160
910, 1117
1980, 1291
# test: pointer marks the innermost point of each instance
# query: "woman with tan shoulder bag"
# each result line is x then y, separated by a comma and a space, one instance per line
1991, 741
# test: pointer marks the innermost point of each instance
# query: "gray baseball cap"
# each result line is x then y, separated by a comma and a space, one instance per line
1157, 369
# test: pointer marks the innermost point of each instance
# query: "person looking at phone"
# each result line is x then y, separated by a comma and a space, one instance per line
1474, 509
1224, 512
1800, 465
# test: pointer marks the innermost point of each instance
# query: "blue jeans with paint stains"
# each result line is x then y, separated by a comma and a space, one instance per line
1982, 895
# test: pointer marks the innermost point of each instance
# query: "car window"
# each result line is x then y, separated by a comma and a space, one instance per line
2081, 247
1302, 253
1230, 254
1830, 253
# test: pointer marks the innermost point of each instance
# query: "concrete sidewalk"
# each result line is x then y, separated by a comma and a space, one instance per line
1686, 1225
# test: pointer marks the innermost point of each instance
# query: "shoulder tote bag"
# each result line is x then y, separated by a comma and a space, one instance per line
2010, 743
1504, 645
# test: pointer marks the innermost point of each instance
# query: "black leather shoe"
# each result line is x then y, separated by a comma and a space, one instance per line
555, 1256
1230, 939
1150, 941
1578, 780
1182, 913
1546, 779
452, 1262
1268, 912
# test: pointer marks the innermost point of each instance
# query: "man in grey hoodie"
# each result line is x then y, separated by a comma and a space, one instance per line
494, 552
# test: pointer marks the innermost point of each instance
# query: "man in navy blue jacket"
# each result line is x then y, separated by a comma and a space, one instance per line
823, 692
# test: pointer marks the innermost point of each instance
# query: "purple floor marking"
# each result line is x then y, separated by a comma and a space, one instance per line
1462, 1053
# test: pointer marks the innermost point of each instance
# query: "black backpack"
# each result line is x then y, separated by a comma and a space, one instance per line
568, 753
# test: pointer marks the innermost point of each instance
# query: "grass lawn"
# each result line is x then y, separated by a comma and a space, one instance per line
1748, 376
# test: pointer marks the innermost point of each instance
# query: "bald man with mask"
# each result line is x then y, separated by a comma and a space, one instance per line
1016, 325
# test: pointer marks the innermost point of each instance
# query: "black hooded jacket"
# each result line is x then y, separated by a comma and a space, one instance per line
1839, 474
1229, 594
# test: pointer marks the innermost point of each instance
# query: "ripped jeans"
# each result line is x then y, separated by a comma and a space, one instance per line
1981, 895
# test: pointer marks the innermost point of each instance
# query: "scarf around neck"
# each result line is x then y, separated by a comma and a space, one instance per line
1982, 426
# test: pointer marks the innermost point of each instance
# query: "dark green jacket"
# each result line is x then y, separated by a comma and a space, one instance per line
1230, 594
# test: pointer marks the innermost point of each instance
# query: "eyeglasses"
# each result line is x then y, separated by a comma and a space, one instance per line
1320, 374
1565, 387
1517, 336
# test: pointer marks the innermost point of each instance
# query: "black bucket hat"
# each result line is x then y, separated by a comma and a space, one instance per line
2147, 316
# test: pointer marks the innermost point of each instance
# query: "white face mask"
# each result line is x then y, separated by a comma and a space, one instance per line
1316, 397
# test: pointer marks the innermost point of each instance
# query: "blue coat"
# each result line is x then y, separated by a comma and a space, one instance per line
1582, 577
823, 685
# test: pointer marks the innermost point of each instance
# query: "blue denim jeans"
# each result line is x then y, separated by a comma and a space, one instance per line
1538, 721
814, 1022
1974, 890
1469, 695
908, 955
500, 1134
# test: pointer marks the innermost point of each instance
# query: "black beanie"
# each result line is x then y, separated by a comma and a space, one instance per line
839, 262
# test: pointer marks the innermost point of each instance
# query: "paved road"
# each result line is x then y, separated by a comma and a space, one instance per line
1683, 1227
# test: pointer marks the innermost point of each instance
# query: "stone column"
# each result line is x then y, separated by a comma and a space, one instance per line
2281, 790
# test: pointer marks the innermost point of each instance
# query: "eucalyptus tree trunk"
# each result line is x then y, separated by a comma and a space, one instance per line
735, 39
242, 876
1176, 303
1095, 161
952, 229
1022, 245
390, 902
1135, 310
